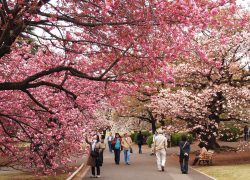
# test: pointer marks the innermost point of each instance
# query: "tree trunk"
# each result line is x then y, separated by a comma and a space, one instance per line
153, 123
152, 120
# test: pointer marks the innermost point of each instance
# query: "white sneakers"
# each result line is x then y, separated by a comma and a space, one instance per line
92, 176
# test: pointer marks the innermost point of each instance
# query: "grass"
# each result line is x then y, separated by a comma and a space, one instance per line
230, 172
26, 176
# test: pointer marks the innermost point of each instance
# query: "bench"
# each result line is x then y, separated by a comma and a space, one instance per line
207, 158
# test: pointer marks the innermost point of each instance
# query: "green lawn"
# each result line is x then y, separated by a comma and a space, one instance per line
26, 176
232, 172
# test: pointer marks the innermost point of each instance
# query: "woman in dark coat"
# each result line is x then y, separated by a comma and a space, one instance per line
140, 140
184, 154
94, 159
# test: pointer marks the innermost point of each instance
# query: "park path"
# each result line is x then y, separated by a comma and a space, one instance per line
143, 167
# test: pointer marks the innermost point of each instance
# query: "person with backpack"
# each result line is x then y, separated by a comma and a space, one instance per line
184, 154
117, 147
94, 159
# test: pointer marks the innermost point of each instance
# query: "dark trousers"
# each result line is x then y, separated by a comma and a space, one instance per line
184, 164
110, 146
196, 160
246, 136
97, 170
117, 155
139, 145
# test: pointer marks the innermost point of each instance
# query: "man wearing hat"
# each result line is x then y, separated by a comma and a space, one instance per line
160, 148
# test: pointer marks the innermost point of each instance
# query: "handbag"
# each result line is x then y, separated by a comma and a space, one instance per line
131, 150
94, 153
185, 153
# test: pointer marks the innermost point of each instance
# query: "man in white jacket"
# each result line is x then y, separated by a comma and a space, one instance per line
160, 148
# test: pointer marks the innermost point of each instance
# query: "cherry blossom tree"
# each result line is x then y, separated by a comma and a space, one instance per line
60, 59
205, 95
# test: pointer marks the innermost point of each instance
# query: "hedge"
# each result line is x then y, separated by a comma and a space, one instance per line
145, 134
176, 138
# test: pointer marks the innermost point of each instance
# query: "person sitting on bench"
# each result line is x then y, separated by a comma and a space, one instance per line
202, 153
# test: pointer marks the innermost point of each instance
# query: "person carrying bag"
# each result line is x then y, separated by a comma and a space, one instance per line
94, 156
184, 154
126, 144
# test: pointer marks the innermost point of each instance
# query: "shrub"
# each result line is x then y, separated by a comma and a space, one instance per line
150, 140
145, 134
229, 133
133, 136
176, 138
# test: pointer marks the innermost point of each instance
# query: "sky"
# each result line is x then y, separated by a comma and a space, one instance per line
244, 3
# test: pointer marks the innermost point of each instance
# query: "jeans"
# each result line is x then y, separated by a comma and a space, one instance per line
97, 170
117, 155
160, 158
139, 145
110, 146
127, 156
184, 164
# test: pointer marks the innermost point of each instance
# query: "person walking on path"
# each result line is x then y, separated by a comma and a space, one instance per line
103, 147
140, 140
110, 138
126, 145
94, 156
246, 133
116, 144
184, 154
160, 148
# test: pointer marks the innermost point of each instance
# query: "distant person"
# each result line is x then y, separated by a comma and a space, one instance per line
126, 144
109, 139
184, 154
168, 136
246, 133
102, 147
94, 157
160, 149
203, 152
140, 140
116, 144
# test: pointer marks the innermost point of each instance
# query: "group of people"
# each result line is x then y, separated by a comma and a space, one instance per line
117, 144
95, 159
111, 141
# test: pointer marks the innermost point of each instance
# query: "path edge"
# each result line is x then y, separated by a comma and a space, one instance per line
203, 173
76, 175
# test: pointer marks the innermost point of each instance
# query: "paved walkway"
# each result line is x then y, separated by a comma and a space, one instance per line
143, 167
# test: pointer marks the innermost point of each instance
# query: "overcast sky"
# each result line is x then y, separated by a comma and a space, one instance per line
245, 3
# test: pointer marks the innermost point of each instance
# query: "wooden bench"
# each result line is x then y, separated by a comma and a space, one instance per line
207, 159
